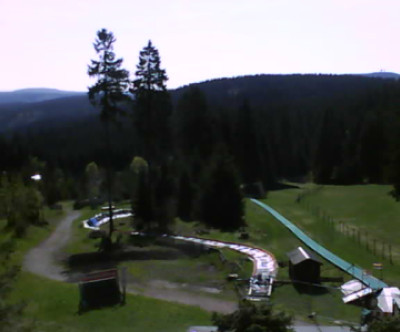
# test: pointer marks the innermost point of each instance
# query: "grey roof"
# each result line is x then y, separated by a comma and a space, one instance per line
300, 255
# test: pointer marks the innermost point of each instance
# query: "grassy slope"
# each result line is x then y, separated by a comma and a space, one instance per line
271, 235
53, 305
368, 209
204, 271
268, 233
265, 232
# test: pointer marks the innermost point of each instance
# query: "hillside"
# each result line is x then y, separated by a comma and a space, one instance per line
34, 95
44, 114
340, 129
46, 108
383, 74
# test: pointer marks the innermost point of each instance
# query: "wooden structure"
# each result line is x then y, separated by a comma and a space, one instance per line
304, 266
101, 288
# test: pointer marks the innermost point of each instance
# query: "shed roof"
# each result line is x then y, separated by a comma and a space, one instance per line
300, 255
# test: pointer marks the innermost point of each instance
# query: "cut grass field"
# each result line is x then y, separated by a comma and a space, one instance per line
266, 232
53, 305
358, 206
358, 219
153, 260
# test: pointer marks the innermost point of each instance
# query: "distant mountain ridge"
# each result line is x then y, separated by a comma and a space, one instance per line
39, 108
45, 113
382, 74
32, 95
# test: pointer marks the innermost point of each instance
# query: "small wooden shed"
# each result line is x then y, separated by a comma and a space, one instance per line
304, 265
101, 288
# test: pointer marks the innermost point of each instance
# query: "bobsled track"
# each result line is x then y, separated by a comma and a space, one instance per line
265, 266
356, 272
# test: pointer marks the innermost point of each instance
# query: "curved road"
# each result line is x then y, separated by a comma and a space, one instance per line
44, 260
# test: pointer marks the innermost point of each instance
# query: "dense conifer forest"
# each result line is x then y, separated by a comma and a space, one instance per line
254, 131
339, 129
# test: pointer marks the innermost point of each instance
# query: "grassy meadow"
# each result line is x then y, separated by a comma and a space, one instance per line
266, 232
52, 305
347, 220
358, 223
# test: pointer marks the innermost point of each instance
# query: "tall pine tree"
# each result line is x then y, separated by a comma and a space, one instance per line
153, 107
108, 93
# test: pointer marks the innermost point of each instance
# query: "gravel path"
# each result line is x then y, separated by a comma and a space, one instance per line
42, 260
174, 295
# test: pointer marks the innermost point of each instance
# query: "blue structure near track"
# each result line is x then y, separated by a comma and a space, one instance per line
351, 269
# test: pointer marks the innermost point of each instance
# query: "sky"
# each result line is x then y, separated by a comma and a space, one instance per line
49, 43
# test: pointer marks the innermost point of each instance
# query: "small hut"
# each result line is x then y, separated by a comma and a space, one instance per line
304, 266
101, 288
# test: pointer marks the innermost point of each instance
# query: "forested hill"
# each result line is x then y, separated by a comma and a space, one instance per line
34, 95
285, 90
339, 128
47, 113
41, 108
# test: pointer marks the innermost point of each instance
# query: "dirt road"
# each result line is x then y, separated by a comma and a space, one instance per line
44, 260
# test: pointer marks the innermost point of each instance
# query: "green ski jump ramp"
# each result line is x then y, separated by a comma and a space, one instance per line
351, 269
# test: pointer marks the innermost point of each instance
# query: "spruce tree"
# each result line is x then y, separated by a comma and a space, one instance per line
220, 203
143, 203
151, 115
247, 145
186, 196
328, 149
108, 93
194, 125
152, 107
149, 75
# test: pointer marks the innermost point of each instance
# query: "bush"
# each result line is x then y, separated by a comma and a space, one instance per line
251, 317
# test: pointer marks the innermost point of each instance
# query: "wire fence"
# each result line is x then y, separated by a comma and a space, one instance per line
343, 226
353, 270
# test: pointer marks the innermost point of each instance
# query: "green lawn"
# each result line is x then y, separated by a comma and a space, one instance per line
266, 232
357, 206
34, 234
53, 305
356, 218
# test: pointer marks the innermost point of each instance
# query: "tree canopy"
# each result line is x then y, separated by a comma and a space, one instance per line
251, 317
112, 80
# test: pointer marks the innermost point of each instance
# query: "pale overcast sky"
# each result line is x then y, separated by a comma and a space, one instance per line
48, 43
